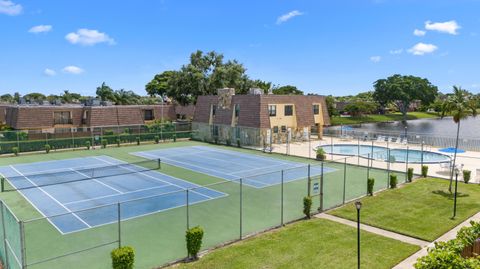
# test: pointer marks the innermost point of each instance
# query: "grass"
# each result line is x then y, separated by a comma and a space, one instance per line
316, 243
422, 209
382, 118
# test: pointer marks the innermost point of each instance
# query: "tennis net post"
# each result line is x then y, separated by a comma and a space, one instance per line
159, 163
2, 183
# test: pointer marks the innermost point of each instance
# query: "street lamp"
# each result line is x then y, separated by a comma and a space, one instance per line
358, 205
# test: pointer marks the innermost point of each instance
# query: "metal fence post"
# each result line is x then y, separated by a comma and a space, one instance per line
281, 202
309, 182
22, 245
344, 178
188, 213
358, 151
320, 208
241, 208
331, 146
7, 265
421, 155
406, 167
368, 165
119, 220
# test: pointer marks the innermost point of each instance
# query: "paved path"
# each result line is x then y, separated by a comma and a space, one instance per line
396, 236
410, 261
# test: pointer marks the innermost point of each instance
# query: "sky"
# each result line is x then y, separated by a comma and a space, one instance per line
324, 47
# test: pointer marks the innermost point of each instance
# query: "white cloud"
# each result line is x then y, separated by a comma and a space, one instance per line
49, 72
71, 69
88, 37
397, 51
288, 16
422, 49
10, 8
40, 29
449, 27
375, 59
419, 32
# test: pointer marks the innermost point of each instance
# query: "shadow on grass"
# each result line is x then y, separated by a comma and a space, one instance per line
449, 195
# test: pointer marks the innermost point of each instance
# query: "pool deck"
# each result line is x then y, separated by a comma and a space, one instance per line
469, 159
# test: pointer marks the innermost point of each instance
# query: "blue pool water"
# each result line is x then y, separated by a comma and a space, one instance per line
382, 153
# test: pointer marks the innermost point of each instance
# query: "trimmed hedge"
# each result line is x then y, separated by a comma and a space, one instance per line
123, 258
410, 174
307, 206
370, 184
466, 175
194, 237
424, 170
393, 181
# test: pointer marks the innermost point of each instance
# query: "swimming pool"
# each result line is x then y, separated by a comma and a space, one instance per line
382, 153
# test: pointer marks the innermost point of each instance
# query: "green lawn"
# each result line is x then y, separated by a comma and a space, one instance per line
422, 209
382, 118
316, 243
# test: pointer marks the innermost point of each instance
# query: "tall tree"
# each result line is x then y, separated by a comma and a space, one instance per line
105, 93
124, 97
264, 85
288, 89
35, 97
7, 98
459, 105
159, 84
402, 90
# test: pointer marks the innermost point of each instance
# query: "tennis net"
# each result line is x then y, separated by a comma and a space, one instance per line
72, 175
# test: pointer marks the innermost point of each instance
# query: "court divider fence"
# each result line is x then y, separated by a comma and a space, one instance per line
82, 137
253, 204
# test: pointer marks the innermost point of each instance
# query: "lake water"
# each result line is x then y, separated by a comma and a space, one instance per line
469, 128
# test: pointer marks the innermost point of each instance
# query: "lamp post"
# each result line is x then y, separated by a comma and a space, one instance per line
406, 128
358, 205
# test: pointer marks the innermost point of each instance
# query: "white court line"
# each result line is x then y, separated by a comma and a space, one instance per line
157, 179
46, 193
185, 166
112, 195
94, 179
244, 155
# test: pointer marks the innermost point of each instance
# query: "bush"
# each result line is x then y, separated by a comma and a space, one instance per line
320, 154
228, 142
194, 238
409, 174
123, 258
307, 206
138, 140
466, 175
15, 151
393, 181
238, 143
47, 148
88, 144
118, 142
104, 143
157, 139
215, 140
370, 184
174, 138
424, 170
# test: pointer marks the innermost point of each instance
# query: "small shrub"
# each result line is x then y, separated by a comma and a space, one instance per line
215, 140
15, 151
118, 142
194, 238
157, 139
424, 170
88, 144
123, 258
466, 175
104, 143
307, 206
320, 154
174, 138
393, 181
228, 142
138, 140
370, 184
238, 143
409, 174
47, 148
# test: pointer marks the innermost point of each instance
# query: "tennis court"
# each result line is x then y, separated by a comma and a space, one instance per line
66, 190
233, 165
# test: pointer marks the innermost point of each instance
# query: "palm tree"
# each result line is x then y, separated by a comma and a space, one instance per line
459, 105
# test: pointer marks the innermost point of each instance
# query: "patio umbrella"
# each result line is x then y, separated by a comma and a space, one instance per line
451, 150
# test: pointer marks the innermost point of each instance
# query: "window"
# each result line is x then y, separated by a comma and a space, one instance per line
272, 110
288, 110
148, 114
237, 110
316, 109
284, 128
275, 129
62, 117
214, 110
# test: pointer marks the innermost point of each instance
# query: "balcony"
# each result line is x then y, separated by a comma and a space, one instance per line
62, 121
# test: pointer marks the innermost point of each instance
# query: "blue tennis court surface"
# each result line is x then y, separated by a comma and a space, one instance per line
71, 202
256, 171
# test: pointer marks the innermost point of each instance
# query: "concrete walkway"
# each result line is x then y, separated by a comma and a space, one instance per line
385, 233
410, 261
